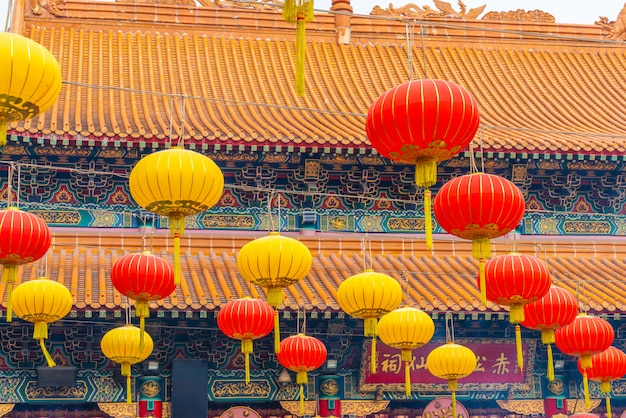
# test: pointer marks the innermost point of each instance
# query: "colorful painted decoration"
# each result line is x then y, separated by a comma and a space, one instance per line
406, 329
514, 280
176, 183
369, 295
274, 262
451, 361
585, 336
301, 354
42, 301
608, 365
479, 207
122, 346
30, 82
246, 319
144, 278
423, 122
556, 309
25, 238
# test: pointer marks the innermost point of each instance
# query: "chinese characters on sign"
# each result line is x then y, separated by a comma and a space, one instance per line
496, 364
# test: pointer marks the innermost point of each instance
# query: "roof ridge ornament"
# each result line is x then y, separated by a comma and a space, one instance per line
445, 10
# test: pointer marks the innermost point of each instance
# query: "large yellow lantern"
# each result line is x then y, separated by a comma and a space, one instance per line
406, 329
42, 301
122, 345
176, 183
369, 295
30, 82
451, 361
274, 262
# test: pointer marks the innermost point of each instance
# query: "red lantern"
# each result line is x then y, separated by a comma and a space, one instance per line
144, 278
25, 238
556, 309
584, 337
479, 207
246, 319
608, 365
514, 280
423, 122
301, 354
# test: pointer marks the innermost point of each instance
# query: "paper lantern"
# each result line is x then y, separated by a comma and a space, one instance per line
301, 354
42, 301
144, 278
30, 82
25, 238
608, 365
246, 319
423, 122
585, 336
556, 309
122, 346
514, 280
274, 262
406, 329
176, 183
451, 361
479, 207
369, 295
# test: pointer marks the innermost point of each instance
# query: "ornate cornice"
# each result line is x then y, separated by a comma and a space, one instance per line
536, 406
357, 408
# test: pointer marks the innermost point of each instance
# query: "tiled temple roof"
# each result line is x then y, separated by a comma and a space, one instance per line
557, 94
444, 280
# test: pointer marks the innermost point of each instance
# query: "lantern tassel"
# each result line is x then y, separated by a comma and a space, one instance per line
586, 389
40, 333
247, 348
301, 400
608, 407
142, 310
453, 386
9, 274
176, 258
547, 336
407, 379
46, 354
373, 365
275, 296
301, 379
129, 395
3, 132
276, 333
550, 364
605, 386
300, 55
428, 219
483, 284
518, 346
426, 173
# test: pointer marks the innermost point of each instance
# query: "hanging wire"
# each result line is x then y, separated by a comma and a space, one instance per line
10, 184
278, 210
449, 327
7, 25
181, 139
472, 158
482, 150
270, 219
127, 310
169, 142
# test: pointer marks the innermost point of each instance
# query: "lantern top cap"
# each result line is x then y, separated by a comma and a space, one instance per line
146, 252
42, 278
273, 233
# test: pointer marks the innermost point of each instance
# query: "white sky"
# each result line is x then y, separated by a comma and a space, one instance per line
565, 11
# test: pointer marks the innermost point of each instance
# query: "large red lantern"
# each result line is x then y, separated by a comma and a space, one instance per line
479, 207
143, 277
556, 309
423, 122
514, 280
585, 336
25, 238
301, 354
608, 365
246, 319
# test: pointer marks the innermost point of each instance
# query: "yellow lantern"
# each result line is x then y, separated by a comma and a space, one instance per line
42, 301
407, 329
122, 345
369, 295
30, 83
176, 183
451, 361
274, 262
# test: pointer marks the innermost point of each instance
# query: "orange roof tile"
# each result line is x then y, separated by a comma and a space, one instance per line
444, 280
232, 82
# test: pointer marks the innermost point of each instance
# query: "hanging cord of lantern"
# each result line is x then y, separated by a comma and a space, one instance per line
9, 272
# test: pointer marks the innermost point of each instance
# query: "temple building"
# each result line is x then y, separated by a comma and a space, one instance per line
219, 78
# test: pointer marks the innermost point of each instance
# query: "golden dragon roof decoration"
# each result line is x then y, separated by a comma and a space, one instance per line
444, 10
